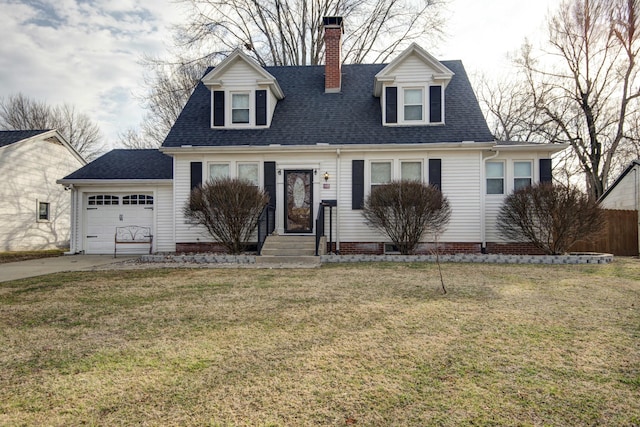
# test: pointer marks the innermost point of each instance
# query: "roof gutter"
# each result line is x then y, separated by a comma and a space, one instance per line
127, 182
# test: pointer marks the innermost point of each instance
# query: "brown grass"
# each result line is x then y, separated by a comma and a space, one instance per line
27, 255
341, 345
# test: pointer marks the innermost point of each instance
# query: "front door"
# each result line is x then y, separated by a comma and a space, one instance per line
298, 199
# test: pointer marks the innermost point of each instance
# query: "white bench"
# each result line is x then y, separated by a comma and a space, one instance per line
132, 234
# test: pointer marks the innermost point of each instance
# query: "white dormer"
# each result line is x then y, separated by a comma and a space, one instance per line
411, 89
243, 94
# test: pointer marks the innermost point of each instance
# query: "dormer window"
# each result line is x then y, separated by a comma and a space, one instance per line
240, 108
413, 101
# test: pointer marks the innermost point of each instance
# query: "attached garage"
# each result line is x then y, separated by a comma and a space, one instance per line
105, 212
123, 188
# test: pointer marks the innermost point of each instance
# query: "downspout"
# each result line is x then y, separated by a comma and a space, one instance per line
73, 220
483, 196
338, 180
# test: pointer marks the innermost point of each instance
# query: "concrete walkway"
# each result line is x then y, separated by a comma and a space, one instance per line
39, 267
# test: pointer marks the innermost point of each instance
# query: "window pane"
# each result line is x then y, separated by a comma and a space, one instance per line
413, 112
413, 97
380, 173
519, 183
218, 171
240, 100
43, 211
495, 186
248, 171
411, 171
240, 116
522, 169
495, 170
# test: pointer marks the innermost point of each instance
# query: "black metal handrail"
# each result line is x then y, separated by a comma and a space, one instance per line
319, 227
266, 225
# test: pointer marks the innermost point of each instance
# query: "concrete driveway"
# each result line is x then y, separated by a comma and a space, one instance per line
39, 267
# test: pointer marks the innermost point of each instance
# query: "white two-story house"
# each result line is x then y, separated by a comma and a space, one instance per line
317, 138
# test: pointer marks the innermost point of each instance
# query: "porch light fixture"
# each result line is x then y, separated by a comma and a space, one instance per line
279, 171
326, 176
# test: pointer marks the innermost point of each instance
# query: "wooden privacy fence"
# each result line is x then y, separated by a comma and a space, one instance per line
619, 237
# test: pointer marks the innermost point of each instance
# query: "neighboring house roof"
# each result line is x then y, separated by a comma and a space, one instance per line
8, 137
624, 173
126, 164
309, 116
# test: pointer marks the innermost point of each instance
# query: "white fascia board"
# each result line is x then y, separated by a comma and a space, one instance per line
461, 146
121, 182
550, 148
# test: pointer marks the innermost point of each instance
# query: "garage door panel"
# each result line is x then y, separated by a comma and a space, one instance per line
101, 223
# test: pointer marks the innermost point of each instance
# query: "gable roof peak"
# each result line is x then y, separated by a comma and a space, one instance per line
213, 78
387, 73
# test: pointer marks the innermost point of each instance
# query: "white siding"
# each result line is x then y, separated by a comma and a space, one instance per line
411, 67
29, 170
239, 74
625, 194
164, 239
461, 185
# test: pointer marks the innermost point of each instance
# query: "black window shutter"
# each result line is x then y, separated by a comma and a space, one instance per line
261, 107
545, 170
391, 107
435, 104
357, 184
270, 182
196, 174
435, 173
218, 108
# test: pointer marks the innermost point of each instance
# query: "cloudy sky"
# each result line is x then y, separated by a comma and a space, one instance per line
86, 52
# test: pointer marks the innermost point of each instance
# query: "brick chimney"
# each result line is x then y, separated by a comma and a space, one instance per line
332, 46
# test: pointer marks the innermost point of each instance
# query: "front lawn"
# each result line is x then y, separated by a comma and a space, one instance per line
361, 344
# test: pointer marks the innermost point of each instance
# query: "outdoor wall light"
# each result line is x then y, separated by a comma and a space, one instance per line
279, 171
326, 176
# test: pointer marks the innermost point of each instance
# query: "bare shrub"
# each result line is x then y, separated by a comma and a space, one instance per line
229, 209
405, 211
551, 217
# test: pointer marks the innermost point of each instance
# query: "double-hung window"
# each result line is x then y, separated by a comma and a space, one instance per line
522, 175
249, 172
240, 108
495, 177
380, 174
413, 105
218, 171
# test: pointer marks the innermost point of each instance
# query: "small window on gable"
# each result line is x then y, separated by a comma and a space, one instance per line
522, 175
137, 199
411, 171
240, 108
43, 211
218, 170
249, 172
495, 177
103, 200
413, 105
380, 173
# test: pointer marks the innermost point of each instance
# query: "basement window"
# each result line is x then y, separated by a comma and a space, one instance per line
43, 211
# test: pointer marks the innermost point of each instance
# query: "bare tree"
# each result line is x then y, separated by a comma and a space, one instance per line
274, 32
229, 209
589, 95
18, 112
288, 32
551, 217
405, 211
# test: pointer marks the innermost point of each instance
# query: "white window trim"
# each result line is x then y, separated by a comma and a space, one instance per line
504, 179
48, 218
369, 170
421, 161
209, 164
256, 163
251, 108
423, 119
425, 86
530, 177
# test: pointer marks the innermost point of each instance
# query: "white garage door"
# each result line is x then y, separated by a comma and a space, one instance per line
105, 212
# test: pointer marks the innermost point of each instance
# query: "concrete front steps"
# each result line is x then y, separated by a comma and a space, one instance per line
289, 250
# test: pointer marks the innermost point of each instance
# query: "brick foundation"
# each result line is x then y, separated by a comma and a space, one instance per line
200, 247
513, 249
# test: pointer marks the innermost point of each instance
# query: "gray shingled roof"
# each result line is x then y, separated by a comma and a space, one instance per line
308, 116
127, 164
8, 137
